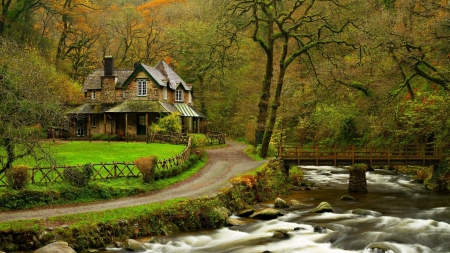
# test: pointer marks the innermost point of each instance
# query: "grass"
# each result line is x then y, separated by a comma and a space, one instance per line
81, 152
250, 151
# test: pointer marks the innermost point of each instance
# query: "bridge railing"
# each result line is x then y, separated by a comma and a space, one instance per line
393, 154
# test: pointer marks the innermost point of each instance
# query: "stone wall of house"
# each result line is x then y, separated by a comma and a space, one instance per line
108, 89
152, 89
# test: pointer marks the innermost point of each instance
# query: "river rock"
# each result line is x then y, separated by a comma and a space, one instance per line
347, 197
323, 207
133, 245
380, 247
56, 247
234, 222
321, 230
245, 212
169, 228
224, 212
266, 214
280, 203
280, 234
358, 212
295, 202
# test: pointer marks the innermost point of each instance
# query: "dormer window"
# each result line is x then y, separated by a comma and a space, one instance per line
142, 88
179, 94
93, 95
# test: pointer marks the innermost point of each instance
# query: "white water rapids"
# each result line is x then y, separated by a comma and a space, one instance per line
401, 217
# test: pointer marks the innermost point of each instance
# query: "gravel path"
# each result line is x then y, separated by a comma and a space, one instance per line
223, 164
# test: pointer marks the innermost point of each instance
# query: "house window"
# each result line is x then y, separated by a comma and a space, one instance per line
165, 93
94, 121
124, 94
93, 95
179, 95
142, 88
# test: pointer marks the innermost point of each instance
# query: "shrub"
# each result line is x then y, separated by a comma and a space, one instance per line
147, 166
167, 124
78, 176
18, 177
359, 167
199, 152
296, 175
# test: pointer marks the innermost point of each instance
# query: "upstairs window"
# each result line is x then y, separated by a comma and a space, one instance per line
142, 88
165, 93
179, 94
93, 95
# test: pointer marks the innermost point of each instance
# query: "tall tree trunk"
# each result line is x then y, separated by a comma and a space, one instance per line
263, 104
9, 147
276, 101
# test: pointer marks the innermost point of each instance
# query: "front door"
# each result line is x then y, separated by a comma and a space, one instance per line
141, 124
80, 128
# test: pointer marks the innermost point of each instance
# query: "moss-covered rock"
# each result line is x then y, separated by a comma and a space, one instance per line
56, 247
133, 245
347, 197
323, 207
280, 203
266, 214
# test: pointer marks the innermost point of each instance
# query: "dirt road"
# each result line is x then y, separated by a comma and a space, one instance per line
223, 164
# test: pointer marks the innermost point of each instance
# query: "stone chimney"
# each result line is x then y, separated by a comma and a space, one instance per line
108, 81
108, 64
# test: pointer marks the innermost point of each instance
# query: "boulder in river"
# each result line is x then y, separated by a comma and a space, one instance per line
280, 203
347, 197
246, 212
323, 207
266, 214
56, 247
133, 245
295, 202
280, 234
234, 222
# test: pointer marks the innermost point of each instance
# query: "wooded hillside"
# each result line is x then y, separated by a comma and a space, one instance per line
337, 71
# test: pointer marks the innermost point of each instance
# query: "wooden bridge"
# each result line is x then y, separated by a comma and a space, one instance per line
423, 155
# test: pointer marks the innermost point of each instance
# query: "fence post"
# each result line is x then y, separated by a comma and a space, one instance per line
353, 154
335, 156
317, 155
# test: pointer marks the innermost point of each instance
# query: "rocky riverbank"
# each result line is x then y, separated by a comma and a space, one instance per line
158, 219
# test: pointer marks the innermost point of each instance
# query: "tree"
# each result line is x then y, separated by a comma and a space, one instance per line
30, 101
288, 30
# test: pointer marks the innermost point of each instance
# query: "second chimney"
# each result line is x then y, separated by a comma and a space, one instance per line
108, 64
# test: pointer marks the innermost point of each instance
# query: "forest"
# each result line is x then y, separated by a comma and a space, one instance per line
297, 71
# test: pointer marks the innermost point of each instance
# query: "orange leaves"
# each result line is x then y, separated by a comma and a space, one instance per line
245, 180
158, 4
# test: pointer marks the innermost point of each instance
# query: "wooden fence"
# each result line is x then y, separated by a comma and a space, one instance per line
213, 137
54, 174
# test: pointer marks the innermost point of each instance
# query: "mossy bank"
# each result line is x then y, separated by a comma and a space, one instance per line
96, 230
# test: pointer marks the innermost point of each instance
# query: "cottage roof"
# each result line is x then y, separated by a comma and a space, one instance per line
173, 79
94, 81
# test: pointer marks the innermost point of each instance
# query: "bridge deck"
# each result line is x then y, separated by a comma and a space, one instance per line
337, 156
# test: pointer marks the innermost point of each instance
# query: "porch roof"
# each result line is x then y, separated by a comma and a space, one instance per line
131, 106
138, 106
184, 109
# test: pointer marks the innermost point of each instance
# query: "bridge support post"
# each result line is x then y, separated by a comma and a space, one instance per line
357, 180
286, 168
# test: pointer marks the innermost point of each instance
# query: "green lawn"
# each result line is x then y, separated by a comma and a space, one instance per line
82, 152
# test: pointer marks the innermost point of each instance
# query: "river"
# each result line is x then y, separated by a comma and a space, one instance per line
400, 215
